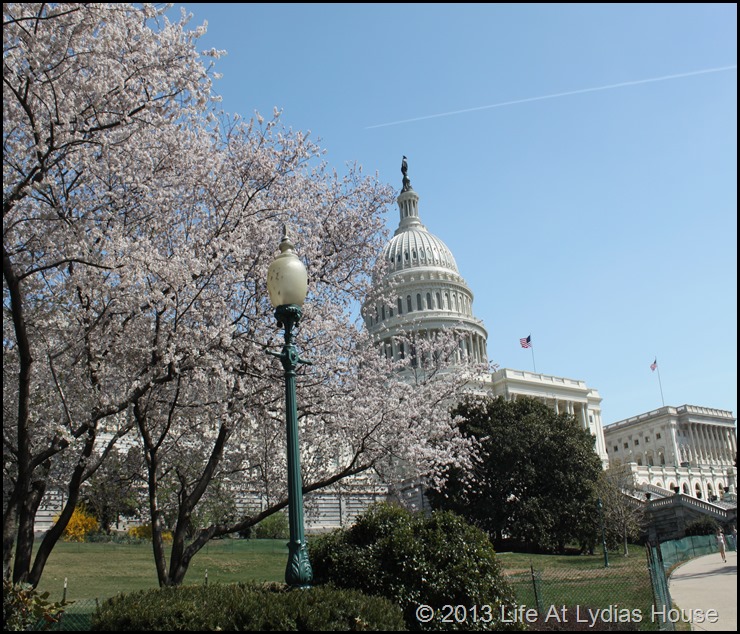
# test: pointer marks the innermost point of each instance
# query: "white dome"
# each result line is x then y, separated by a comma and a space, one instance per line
422, 289
416, 247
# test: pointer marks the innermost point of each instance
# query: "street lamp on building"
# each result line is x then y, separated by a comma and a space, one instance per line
287, 284
600, 506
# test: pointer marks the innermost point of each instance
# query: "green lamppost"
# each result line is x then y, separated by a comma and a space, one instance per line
600, 506
287, 284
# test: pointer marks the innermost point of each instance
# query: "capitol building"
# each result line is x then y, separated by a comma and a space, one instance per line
686, 450
423, 292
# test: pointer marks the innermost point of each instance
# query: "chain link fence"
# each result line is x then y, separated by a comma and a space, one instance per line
77, 617
616, 594
588, 596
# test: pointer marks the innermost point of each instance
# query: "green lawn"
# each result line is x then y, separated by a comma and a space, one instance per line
103, 570
580, 582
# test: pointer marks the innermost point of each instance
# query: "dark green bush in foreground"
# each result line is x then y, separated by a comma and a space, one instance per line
414, 561
247, 607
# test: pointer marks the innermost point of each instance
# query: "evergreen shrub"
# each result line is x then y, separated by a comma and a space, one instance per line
702, 526
274, 526
247, 607
417, 560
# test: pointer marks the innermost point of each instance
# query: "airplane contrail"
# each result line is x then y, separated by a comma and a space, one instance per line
560, 94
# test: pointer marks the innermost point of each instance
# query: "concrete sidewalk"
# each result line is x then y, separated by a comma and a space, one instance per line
704, 584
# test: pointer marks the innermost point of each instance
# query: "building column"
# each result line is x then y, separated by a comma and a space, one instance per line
713, 443
693, 443
727, 445
716, 435
676, 457
701, 445
707, 444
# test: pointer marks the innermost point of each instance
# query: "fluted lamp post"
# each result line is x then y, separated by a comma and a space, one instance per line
287, 284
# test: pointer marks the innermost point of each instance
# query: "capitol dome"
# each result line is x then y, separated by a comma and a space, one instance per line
418, 248
427, 293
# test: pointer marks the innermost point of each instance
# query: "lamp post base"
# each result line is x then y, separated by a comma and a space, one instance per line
298, 572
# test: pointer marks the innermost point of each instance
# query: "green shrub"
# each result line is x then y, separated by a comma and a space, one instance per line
25, 609
414, 561
247, 607
702, 526
274, 526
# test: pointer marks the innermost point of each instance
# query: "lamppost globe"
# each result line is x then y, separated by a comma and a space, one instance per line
287, 280
287, 284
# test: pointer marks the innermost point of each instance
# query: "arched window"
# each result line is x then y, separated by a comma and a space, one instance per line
382, 312
400, 306
439, 302
447, 301
418, 302
429, 301
408, 304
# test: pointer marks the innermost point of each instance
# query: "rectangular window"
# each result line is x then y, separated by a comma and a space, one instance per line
637, 442
657, 436
616, 448
626, 446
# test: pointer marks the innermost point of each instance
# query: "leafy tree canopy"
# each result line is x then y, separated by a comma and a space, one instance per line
534, 482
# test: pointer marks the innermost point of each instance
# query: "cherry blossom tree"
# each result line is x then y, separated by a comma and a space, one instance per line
138, 226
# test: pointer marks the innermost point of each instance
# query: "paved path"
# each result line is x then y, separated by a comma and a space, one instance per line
705, 583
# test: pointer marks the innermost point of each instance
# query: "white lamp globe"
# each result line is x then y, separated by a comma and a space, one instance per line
287, 280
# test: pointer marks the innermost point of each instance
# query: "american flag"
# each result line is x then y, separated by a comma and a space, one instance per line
526, 341
654, 364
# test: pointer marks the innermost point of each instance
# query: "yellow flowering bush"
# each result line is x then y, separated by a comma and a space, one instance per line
145, 532
80, 525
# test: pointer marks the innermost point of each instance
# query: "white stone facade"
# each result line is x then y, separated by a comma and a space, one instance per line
569, 396
689, 447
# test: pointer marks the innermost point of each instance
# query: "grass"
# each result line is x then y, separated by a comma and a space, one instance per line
582, 582
95, 570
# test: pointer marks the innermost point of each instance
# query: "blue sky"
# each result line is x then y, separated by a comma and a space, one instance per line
579, 160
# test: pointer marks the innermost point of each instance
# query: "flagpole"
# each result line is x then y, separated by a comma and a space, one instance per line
662, 400
526, 342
